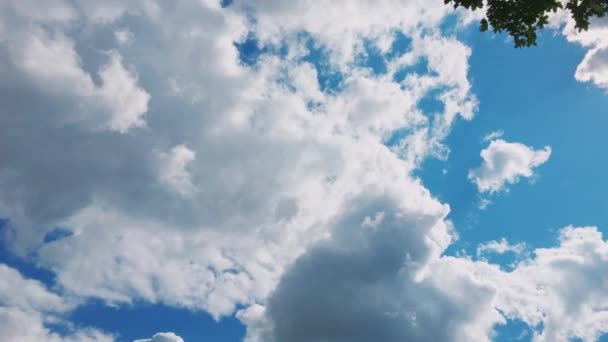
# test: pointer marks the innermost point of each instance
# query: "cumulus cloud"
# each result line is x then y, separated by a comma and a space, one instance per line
505, 163
162, 337
559, 292
570, 285
197, 178
26, 294
51, 66
27, 308
366, 286
594, 66
125, 100
237, 172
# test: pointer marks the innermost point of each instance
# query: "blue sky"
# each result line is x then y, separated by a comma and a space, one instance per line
272, 172
530, 97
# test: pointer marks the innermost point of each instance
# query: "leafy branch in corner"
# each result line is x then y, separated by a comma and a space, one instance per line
523, 18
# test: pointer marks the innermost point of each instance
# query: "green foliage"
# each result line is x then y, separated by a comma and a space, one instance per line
522, 18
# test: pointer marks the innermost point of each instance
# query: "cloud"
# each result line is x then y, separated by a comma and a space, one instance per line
559, 291
162, 337
206, 194
493, 135
500, 247
123, 36
569, 298
505, 163
26, 294
27, 308
51, 66
47, 11
192, 179
126, 102
594, 66
363, 283
173, 169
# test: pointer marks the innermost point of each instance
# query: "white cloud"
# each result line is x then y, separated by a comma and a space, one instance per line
26, 294
124, 36
505, 163
560, 292
500, 247
265, 172
26, 326
366, 283
126, 102
162, 337
493, 135
27, 308
173, 169
594, 66
242, 181
53, 66
569, 296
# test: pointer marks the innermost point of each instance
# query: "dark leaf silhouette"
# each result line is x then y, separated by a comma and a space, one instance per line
523, 18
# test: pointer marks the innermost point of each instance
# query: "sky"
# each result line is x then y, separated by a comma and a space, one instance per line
298, 171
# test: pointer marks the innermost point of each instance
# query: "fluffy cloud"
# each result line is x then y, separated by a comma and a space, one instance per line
26, 294
50, 65
191, 178
559, 292
569, 282
363, 283
500, 247
173, 169
505, 163
162, 337
27, 308
594, 66
234, 170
